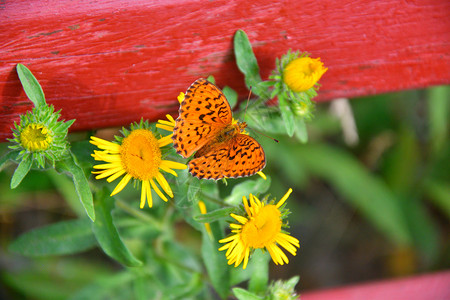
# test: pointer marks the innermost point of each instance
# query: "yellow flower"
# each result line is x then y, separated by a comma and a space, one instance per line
35, 137
202, 207
260, 173
260, 228
303, 73
180, 97
167, 125
139, 157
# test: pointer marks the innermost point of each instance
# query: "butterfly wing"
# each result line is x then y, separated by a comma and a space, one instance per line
241, 156
203, 114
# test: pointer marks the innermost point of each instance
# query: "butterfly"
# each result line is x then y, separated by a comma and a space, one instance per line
205, 126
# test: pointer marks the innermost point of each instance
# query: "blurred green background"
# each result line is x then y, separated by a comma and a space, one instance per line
371, 201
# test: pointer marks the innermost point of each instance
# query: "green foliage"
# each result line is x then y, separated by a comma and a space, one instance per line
31, 86
67, 237
81, 183
21, 171
106, 232
246, 60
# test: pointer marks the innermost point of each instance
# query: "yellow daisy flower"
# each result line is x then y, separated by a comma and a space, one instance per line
202, 207
168, 125
138, 157
303, 73
260, 228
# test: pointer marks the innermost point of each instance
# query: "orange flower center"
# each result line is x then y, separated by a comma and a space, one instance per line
140, 154
262, 229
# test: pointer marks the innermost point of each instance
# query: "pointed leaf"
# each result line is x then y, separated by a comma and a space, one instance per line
260, 275
231, 96
4, 160
65, 237
216, 265
31, 86
21, 171
106, 232
367, 193
214, 215
70, 166
300, 131
255, 187
242, 294
287, 114
246, 60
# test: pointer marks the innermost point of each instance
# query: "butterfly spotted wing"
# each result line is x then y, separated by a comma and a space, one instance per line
205, 125
239, 157
203, 114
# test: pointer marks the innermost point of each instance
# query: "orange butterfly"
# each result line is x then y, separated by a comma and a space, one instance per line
205, 124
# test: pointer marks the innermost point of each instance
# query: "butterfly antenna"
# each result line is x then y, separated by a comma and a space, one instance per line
267, 136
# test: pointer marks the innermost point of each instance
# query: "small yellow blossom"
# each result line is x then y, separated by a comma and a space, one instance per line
303, 73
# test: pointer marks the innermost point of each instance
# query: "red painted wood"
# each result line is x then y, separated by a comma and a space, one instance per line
108, 63
431, 286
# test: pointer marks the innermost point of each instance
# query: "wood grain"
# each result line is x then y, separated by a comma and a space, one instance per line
108, 63
428, 286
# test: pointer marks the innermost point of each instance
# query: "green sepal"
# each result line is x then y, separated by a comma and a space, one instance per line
31, 86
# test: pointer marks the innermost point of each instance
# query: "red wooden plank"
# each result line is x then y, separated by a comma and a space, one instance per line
108, 63
431, 286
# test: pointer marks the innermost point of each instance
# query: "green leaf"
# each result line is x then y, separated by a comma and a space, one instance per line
214, 215
70, 166
438, 115
31, 86
231, 96
424, 232
216, 265
21, 171
106, 232
260, 275
367, 193
211, 79
242, 294
246, 60
192, 192
245, 188
439, 193
5, 159
65, 187
301, 132
52, 278
107, 287
287, 115
65, 237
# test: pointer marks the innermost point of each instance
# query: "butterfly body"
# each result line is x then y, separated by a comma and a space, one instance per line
205, 126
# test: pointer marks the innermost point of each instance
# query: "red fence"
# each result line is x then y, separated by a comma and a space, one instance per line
108, 63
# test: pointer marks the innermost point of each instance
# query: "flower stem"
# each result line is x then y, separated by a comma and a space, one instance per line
138, 213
